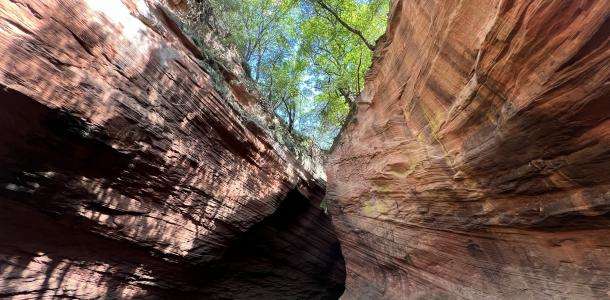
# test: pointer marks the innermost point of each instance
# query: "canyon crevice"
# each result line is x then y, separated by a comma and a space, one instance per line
476, 164
135, 163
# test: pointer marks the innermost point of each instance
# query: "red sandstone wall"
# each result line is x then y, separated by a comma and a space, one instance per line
125, 174
476, 165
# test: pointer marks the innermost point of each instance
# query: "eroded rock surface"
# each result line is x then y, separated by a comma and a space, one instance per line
476, 164
125, 173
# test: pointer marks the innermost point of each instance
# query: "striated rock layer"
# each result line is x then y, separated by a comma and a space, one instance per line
125, 174
477, 162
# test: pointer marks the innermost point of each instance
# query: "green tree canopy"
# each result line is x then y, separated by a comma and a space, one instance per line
308, 57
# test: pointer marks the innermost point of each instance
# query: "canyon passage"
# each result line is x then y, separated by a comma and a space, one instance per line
135, 164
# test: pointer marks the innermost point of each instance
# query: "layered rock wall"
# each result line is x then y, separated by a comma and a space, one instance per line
476, 164
127, 172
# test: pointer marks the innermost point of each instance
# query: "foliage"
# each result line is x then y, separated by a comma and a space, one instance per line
308, 57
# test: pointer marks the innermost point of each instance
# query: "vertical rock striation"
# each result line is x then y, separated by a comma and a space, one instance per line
476, 164
127, 172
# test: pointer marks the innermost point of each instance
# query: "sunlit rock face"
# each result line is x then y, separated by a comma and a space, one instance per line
125, 174
477, 163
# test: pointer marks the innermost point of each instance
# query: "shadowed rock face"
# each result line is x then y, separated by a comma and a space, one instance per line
125, 174
476, 164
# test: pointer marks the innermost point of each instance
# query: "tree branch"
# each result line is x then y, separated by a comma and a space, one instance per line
347, 26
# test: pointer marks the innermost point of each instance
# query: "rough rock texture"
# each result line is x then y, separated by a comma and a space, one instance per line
125, 174
477, 163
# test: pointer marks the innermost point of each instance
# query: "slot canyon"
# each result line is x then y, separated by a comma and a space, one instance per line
475, 164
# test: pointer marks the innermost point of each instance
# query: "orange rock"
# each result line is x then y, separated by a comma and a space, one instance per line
488, 176
125, 174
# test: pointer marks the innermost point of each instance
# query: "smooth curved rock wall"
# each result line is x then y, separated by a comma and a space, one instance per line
476, 164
